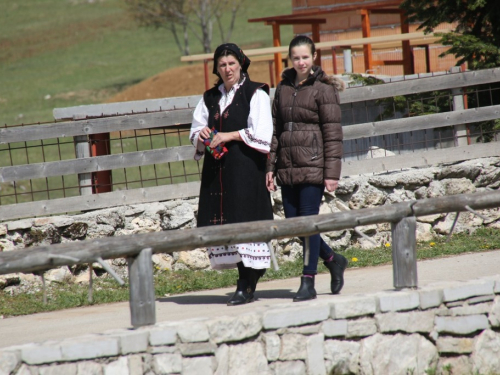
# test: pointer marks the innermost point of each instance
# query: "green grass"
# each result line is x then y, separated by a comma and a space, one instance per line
82, 53
106, 290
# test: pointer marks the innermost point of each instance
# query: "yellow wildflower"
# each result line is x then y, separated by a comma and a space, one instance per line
432, 244
387, 244
354, 259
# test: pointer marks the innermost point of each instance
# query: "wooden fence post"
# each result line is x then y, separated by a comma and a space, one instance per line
82, 150
404, 253
460, 131
142, 291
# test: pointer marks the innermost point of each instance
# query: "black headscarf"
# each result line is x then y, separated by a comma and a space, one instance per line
242, 58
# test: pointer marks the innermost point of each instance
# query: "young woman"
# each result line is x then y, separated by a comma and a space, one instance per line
306, 152
232, 127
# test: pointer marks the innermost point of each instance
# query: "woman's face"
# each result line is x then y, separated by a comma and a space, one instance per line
302, 59
229, 70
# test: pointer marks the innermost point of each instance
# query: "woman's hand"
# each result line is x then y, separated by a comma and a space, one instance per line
204, 134
270, 182
221, 137
331, 185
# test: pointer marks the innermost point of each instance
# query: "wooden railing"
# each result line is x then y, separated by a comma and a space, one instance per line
174, 112
139, 248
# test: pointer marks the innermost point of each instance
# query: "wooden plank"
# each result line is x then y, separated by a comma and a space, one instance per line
96, 164
131, 107
414, 86
420, 159
96, 126
372, 129
53, 256
142, 289
404, 253
98, 201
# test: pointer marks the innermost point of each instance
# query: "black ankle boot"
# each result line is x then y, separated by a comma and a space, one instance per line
306, 290
255, 275
243, 293
337, 267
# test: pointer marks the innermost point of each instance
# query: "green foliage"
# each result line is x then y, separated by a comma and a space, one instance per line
476, 39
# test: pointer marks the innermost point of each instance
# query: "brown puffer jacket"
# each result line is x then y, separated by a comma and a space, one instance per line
307, 139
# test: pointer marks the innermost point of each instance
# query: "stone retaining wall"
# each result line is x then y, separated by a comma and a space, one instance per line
353, 193
451, 328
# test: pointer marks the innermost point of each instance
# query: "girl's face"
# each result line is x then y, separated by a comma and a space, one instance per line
229, 70
302, 59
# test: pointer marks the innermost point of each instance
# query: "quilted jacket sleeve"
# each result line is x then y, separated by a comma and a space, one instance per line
329, 117
271, 161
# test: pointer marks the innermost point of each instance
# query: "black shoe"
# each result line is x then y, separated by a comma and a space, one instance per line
337, 267
255, 275
306, 290
242, 295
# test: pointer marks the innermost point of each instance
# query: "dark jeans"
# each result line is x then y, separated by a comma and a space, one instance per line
304, 200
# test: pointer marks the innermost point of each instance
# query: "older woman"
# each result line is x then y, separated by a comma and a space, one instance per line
232, 127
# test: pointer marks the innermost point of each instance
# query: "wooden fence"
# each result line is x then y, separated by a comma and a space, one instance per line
139, 248
174, 112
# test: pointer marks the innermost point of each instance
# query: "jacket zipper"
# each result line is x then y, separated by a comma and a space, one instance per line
291, 129
315, 147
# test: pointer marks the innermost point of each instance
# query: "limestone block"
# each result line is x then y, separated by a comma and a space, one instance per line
315, 363
222, 360
293, 347
461, 325
132, 341
3, 229
162, 349
398, 301
6, 245
295, 316
367, 196
248, 358
414, 321
494, 313
430, 297
496, 280
135, 365
488, 176
346, 186
9, 360
351, 307
77, 230
413, 179
58, 275
167, 363
289, 368
118, 367
486, 354
27, 370
45, 353
361, 327
195, 259
19, 225
387, 354
481, 308
342, 356
303, 330
162, 335
236, 328
91, 346
64, 369
455, 345
462, 170
461, 365
178, 216
196, 348
193, 331
89, 368
429, 219
334, 328
480, 299
424, 232
57, 221
145, 225
454, 186
162, 261
470, 289
197, 366
272, 344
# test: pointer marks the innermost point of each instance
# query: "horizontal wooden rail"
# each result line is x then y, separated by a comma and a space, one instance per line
133, 159
421, 158
96, 164
434, 121
96, 126
98, 201
325, 45
47, 257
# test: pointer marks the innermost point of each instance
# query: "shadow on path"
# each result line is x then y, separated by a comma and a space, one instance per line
222, 299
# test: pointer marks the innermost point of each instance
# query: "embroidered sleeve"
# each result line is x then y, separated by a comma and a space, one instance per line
259, 132
200, 120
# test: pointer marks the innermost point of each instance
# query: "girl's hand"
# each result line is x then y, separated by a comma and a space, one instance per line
222, 138
331, 185
270, 182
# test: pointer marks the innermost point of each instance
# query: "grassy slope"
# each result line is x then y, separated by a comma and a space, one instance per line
80, 52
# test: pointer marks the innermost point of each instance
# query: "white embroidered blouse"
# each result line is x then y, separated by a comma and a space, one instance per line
259, 129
